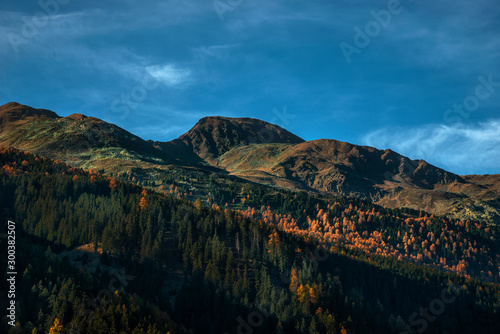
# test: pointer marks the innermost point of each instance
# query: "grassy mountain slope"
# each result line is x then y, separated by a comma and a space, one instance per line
388, 178
255, 151
76, 139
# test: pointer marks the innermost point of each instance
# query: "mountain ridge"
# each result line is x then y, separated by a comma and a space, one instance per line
44, 132
14, 111
213, 136
255, 151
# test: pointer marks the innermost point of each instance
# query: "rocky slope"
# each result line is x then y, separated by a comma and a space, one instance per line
213, 136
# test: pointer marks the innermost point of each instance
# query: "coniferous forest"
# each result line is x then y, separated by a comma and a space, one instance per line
95, 254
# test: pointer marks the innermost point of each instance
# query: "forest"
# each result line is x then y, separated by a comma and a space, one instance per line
247, 259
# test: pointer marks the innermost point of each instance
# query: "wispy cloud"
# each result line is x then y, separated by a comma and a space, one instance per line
169, 74
460, 148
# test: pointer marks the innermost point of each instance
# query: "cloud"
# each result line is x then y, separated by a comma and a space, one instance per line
169, 74
459, 148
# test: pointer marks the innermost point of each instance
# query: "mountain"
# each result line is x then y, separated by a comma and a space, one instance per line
256, 151
213, 136
83, 141
386, 177
334, 166
14, 112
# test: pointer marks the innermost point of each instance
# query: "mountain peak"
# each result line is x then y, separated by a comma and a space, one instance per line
77, 117
11, 105
13, 111
209, 119
214, 136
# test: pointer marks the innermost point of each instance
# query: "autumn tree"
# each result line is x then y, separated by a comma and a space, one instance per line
312, 296
197, 204
113, 183
143, 203
57, 327
294, 280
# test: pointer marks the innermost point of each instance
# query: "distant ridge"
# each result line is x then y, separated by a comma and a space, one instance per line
255, 151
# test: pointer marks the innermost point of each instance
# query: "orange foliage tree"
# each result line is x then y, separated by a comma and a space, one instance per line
57, 327
113, 183
143, 203
294, 284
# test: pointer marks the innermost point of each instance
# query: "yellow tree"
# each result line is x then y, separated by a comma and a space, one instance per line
312, 296
197, 204
57, 328
143, 203
302, 293
274, 241
300, 290
294, 281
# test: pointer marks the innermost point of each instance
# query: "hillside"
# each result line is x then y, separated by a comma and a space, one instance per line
77, 139
255, 151
386, 177
333, 166
213, 136
158, 264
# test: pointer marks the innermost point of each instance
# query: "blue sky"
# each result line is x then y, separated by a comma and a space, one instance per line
377, 73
